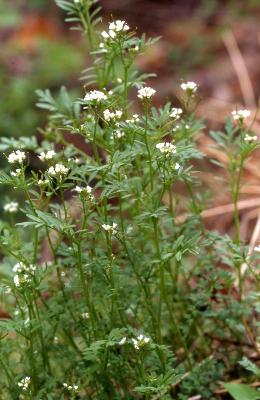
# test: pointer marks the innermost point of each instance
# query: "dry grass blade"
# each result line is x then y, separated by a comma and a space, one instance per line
220, 210
253, 241
255, 236
240, 68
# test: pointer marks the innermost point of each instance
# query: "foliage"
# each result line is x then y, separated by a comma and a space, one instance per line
106, 293
242, 392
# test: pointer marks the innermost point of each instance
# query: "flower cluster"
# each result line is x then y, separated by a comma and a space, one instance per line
85, 190
48, 155
250, 138
71, 388
146, 93
42, 182
110, 115
110, 228
16, 156
16, 173
189, 87
140, 341
21, 267
118, 134
11, 207
118, 26
114, 28
176, 113
135, 118
240, 115
23, 273
166, 148
24, 383
57, 170
95, 96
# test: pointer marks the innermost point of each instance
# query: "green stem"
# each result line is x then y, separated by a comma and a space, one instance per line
235, 197
85, 288
95, 149
148, 148
164, 295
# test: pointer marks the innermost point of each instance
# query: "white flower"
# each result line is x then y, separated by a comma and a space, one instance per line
58, 169
23, 273
16, 156
166, 148
47, 156
135, 118
108, 35
112, 34
22, 279
105, 35
257, 249
11, 207
118, 134
85, 315
110, 115
118, 26
122, 341
24, 383
140, 341
249, 138
19, 267
85, 190
96, 96
176, 113
189, 87
78, 189
17, 172
42, 182
240, 115
71, 388
136, 344
16, 280
114, 28
75, 160
102, 47
110, 228
143, 338
177, 166
146, 93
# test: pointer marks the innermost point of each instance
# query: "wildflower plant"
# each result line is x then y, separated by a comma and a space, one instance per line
109, 295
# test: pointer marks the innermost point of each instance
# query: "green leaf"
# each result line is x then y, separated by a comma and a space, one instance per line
250, 366
65, 5
241, 392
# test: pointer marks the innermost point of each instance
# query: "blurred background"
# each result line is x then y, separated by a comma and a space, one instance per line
215, 43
